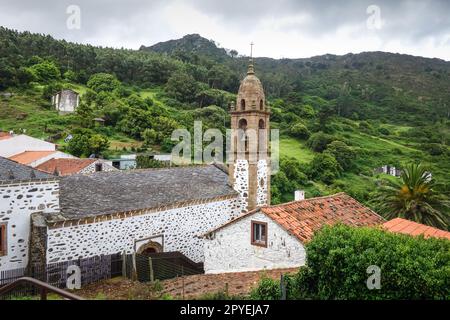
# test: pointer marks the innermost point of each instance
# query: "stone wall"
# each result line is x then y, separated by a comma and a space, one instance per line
241, 183
18, 201
91, 168
179, 227
262, 179
230, 249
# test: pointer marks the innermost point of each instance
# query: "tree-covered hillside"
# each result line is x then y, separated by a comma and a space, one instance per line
339, 116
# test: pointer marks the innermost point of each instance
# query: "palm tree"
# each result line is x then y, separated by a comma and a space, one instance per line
414, 198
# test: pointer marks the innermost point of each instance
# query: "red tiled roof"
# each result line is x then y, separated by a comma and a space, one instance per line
302, 218
412, 228
65, 166
28, 157
5, 135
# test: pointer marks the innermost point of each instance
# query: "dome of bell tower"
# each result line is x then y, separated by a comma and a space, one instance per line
251, 93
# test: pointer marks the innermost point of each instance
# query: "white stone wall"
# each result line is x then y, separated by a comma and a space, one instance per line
180, 227
241, 182
17, 203
230, 249
20, 143
91, 168
261, 193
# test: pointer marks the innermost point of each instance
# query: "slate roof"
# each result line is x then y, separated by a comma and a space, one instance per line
28, 157
11, 170
65, 166
120, 191
412, 228
303, 218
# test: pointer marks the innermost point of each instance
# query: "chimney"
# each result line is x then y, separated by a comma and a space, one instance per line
299, 195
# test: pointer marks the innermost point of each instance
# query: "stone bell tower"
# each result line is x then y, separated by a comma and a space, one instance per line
249, 168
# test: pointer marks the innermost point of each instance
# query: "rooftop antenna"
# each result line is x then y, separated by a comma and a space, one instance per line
251, 70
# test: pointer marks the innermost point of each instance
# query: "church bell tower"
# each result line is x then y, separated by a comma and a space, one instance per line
249, 170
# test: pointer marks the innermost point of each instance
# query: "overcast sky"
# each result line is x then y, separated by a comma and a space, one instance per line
279, 28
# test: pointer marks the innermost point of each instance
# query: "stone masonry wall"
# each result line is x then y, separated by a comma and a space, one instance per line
18, 201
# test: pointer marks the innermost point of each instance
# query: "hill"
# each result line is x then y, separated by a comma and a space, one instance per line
339, 116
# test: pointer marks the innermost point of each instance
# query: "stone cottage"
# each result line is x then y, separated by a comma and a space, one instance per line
273, 237
66, 101
67, 167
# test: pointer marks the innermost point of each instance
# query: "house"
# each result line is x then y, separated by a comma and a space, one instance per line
36, 158
125, 162
393, 171
399, 225
11, 144
274, 237
24, 191
66, 167
66, 101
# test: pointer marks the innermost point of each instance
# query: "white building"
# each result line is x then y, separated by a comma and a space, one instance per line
36, 158
273, 237
66, 101
11, 145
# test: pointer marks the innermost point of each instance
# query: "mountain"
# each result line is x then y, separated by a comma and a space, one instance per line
192, 43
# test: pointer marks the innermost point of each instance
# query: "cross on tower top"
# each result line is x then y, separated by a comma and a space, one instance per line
250, 66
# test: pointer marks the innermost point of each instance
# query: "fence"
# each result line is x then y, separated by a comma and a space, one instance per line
141, 267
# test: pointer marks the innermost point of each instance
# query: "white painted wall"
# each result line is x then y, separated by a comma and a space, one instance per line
231, 250
180, 227
20, 143
17, 203
56, 155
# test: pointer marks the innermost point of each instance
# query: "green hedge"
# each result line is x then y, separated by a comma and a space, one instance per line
338, 258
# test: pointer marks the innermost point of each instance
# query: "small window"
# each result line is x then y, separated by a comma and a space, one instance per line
98, 167
259, 234
243, 105
261, 105
3, 247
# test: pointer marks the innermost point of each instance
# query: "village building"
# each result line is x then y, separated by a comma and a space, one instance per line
36, 158
11, 144
66, 101
68, 166
274, 237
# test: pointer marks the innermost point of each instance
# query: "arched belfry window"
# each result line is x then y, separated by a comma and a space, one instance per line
242, 124
261, 104
243, 105
261, 124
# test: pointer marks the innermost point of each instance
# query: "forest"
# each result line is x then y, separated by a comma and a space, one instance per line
340, 117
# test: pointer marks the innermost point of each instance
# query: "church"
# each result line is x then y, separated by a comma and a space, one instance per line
211, 213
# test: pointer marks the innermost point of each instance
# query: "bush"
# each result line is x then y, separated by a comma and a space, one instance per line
299, 130
45, 72
267, 289
343, 154
318, 141
103, 82
325, 168
338, 258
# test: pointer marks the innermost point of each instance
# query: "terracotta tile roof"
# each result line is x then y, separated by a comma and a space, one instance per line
5, 135
404, 226
28, 157
302, 218
65, 166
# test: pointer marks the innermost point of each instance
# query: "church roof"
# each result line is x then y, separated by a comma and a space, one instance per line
303, 218
11, 170
120, 191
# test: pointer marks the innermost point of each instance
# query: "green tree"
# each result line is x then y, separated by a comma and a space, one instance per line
182, 87
414, 197
85, 143
318, 141
325, 168
45, 72
342, 153
299, 130
103, 82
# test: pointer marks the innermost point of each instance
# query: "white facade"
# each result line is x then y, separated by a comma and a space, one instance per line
178, 227
17, 202
21, 143
229, 249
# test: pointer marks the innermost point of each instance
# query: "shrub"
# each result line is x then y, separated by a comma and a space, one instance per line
325, 168
343, 154
338, 258
318, 141
267, 289
299, 130
103, 82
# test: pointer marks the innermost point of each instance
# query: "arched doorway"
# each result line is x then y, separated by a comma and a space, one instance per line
150, 247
